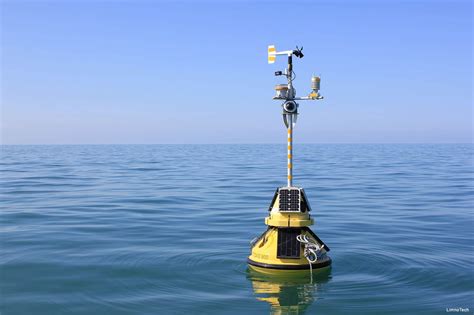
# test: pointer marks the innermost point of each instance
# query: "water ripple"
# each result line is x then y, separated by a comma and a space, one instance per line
165, 229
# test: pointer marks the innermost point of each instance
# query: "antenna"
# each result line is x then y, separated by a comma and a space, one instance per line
287, 93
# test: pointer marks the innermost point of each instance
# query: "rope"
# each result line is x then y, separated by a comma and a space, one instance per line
253, 241
311, 251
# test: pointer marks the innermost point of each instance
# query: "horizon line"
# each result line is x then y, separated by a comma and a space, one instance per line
242, 143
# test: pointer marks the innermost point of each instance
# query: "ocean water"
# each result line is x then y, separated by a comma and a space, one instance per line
165, 229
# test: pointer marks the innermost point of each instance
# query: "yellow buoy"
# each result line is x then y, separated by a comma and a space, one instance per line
279, 246
288, 243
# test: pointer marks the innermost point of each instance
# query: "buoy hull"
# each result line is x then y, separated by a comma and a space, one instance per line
278, 249
323, 263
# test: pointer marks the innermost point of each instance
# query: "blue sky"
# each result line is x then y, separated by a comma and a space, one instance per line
196, 71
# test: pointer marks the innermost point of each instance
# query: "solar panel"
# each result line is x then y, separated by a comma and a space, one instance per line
288, 245
289, 199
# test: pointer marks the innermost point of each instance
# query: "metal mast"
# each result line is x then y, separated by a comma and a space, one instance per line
290, 150
287, 93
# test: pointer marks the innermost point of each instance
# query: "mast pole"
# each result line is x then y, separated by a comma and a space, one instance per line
290, 150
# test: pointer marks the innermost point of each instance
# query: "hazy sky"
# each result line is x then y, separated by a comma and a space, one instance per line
196, 71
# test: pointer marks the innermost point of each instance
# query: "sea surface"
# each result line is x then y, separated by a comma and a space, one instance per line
165, 229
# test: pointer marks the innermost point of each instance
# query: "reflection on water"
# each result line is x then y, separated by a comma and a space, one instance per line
288, 292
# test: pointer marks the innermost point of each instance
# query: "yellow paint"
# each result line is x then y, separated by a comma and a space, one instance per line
289, 165
282, 221
289, 156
